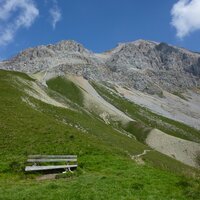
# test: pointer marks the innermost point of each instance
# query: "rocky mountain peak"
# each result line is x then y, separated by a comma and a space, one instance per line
70, 46
135, 44
62, 47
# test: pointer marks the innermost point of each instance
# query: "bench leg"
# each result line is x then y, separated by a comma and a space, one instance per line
68, 170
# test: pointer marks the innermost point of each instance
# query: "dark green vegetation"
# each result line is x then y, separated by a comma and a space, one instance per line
198, 158
147, 119
67, 89
180, 95
105, 170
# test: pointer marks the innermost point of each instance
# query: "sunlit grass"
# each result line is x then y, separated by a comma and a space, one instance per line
105, 170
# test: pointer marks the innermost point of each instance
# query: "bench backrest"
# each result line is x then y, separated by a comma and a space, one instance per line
51, 158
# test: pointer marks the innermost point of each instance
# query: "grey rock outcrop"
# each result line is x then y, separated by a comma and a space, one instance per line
151, 66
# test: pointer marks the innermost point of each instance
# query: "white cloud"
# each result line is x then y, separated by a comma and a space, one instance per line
15, 14
56, 14
186, 17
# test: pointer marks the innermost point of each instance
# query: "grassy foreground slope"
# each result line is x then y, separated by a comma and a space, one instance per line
105, 171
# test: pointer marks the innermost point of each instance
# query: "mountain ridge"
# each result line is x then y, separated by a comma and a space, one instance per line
144, 65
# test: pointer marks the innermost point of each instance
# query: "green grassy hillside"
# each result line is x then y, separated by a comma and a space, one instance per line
67, 89
105, 169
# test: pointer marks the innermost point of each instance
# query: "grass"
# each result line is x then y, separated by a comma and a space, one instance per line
139, 130
67, 89
180, 95
105, 170
146, 118
121, 182
198, 158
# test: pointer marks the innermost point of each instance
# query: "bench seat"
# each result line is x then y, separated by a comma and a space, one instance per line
50, 167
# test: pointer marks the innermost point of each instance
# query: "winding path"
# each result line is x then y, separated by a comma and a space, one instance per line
139, 155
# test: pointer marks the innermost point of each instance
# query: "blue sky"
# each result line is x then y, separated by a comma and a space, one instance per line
98, 24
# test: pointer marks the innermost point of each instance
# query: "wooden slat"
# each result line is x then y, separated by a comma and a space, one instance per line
40, 168
40, 160
52, 156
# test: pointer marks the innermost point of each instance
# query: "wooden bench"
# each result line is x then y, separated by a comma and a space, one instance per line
69, 160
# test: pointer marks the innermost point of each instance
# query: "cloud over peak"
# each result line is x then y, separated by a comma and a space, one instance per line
186, 17
55, 14
15, 14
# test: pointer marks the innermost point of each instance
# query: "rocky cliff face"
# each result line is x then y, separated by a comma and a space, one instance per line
144, 65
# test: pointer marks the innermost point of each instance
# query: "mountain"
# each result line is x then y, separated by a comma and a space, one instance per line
131, 114
152, 68
146, 66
